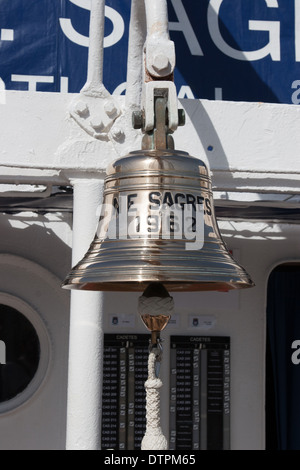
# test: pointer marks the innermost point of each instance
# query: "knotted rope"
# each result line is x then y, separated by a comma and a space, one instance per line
152, 306
153, 438
155, 305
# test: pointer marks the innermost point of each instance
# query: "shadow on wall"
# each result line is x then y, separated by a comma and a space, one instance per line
262, 231
41, 238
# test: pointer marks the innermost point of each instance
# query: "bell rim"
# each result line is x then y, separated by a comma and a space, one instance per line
171, 286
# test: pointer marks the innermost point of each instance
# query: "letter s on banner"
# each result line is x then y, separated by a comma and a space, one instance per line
295, 356
80, 39
272, 48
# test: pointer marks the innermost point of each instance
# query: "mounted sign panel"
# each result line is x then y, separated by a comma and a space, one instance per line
199, 392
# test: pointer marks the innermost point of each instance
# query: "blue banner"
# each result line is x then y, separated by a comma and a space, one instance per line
238, 50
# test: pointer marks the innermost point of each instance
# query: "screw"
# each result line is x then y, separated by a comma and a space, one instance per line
97, 123
137, 119
109, 108
81, 108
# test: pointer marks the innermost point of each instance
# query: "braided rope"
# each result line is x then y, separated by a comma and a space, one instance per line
155, 305
153, 438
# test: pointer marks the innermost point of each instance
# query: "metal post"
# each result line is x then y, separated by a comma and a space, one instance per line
94, 84
135, 64
86, 332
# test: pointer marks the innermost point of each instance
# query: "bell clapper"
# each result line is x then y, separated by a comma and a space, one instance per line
155, 309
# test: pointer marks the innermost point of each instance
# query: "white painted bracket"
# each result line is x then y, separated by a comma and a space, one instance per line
96, 115
160, 57
157, 88
95, 110
159, 49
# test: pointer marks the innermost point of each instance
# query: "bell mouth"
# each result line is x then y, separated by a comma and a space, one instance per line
171, 286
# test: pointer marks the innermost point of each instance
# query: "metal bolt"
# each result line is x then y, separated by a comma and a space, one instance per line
117, 133
81, 108
109, 108
137, 119
97, 123
181, 117
160, 63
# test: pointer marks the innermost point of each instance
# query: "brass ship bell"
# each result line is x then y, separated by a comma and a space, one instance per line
158, 225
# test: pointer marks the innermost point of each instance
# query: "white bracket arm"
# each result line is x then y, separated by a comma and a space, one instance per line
159, 59
95, 110
159, 50
159, 88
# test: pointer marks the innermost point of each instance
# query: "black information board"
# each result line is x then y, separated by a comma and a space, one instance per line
199, 393
125, 371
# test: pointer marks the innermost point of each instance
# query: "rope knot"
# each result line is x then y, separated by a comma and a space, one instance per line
153, 383
155, 305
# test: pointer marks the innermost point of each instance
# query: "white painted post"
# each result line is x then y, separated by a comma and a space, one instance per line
160, 50
86, 332
157, 18
135, 63
94, 84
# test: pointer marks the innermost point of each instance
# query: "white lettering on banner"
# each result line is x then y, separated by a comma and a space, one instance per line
296, 354
219, 94
64, 84
120, 89
7, 34
184, 25
2, 352
273, 27
32, 80
80, 39
296, 95
186, 92
2, 92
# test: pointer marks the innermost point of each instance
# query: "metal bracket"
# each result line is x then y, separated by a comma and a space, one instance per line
164, 89
159, 49
96, 115
160, 57
160, 115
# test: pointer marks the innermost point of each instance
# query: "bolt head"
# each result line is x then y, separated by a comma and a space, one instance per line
110, 108
160, 63
181, 117
137, 119
117, 133
81, 108
97, 123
